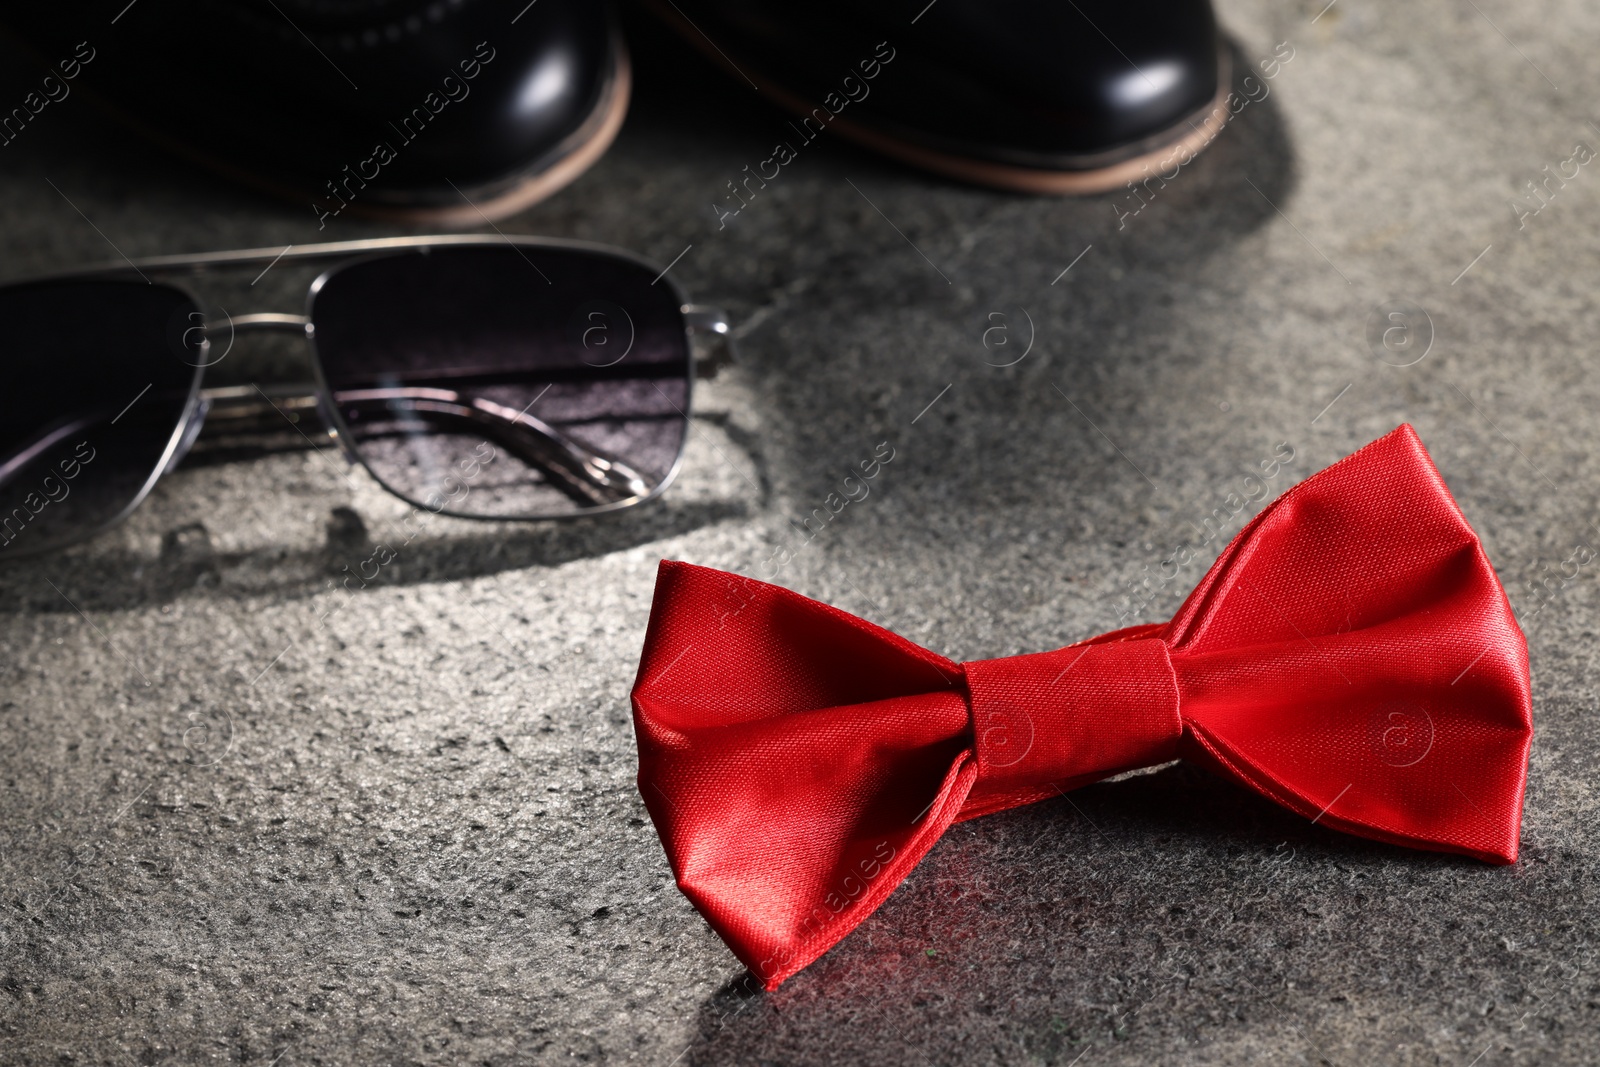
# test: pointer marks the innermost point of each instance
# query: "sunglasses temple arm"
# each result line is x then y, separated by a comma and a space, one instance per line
591, 476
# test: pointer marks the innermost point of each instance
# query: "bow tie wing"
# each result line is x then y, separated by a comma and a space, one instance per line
1353, 656
797, 761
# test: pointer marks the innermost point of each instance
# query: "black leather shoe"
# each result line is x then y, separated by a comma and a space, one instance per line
1044, 96
430, 111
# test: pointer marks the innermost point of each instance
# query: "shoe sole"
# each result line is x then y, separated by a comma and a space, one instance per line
1191, 135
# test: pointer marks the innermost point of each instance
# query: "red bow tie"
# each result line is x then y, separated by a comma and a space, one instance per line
1351, 655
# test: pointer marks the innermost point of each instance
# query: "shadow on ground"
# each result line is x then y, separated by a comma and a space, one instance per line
1012, 940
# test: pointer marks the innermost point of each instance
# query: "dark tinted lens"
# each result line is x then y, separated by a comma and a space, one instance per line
507, 382
94, 379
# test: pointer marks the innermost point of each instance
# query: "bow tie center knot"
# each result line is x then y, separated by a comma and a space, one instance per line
1078, 713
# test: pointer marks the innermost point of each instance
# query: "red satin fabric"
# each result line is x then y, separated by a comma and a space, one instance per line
1351, 655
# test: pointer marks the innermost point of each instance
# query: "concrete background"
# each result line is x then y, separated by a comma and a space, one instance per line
238, 825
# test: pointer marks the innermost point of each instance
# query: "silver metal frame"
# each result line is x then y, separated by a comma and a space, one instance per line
697, 320
175, 446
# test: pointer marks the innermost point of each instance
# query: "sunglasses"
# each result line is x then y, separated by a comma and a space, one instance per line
475, 376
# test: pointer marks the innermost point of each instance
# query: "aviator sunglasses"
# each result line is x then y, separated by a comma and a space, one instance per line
476, 376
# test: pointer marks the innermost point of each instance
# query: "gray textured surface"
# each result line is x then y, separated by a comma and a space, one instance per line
415, 839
